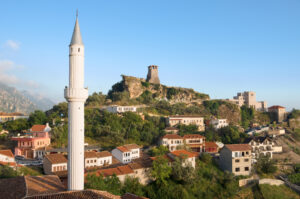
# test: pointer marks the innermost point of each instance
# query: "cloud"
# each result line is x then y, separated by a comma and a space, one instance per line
14, 45
7, 67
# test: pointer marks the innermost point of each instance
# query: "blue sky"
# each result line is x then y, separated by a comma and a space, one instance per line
216, 47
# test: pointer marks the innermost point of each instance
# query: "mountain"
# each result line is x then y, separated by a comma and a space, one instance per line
13, 100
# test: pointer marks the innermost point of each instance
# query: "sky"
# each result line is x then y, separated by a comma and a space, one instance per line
215, 47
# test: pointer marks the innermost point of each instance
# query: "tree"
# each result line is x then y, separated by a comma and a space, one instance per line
180, 173
37, 117
159, 151
265, 165
247, 116
132, 185
161, 171
16, 126
60, 136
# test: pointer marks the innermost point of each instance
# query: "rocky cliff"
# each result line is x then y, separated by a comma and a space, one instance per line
138, 87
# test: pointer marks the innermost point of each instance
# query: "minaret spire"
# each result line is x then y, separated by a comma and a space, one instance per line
76, 37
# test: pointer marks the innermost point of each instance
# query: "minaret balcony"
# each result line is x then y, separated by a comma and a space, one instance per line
76, 94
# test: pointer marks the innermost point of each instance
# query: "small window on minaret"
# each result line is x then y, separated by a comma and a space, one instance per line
78, 49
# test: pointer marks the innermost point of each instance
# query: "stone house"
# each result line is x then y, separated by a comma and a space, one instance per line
236, 158
278, 112
126, 153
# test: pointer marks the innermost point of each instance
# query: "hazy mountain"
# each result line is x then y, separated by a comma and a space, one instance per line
13, 100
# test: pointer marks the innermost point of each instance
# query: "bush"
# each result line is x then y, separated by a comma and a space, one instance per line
171, 92
294, 178
145, 84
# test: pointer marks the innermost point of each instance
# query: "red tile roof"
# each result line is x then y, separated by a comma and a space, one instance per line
171, 129
185, 116
38, 128
12, 164
238, 147
180, 153
103, 154
276, 107
191, 136
172, 136
90, 154
56, 158
128, 147
120, 170
211, 145
84, 194
7, 153
22, 187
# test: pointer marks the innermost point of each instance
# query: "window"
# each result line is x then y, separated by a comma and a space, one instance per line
237, 160
246, 160
246, 168
243, 153
247, 153
236, 154
237, 169
88, 161
78, 49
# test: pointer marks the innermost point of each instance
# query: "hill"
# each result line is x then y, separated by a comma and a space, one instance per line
13, 100
139, 89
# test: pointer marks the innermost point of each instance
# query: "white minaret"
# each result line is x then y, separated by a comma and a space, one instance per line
76, 95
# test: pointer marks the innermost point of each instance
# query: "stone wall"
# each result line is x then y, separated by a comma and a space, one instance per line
271, 182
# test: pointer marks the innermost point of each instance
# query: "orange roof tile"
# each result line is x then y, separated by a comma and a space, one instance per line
191, 136
56, 158
7, 153
238, 147
128, 147
103, 154
211, 145
276, 107
185, 116
172, 136
180, 153
38, 127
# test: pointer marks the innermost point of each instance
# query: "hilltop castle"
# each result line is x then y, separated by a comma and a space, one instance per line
152, 76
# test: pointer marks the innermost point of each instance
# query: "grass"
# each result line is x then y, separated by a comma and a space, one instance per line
277, 192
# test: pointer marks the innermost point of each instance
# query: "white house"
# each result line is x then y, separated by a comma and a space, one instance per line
97, 159
262, 145
120, 109
219, 123
126, 153
189, 158
54, 163
7, 158
172, 141
186, 120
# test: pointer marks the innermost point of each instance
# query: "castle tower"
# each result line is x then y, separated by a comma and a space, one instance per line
152, 75
76, 96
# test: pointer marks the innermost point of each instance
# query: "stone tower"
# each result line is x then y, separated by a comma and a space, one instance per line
76, 96
152, 75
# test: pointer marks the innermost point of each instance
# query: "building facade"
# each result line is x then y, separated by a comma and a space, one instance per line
236, 158
4, 117
278, 112
126, 153
218, 123
120, 109
172, 141
28, 145
248, 98
186, 120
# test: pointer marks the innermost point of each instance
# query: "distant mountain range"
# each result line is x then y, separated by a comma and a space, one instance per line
13, 100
